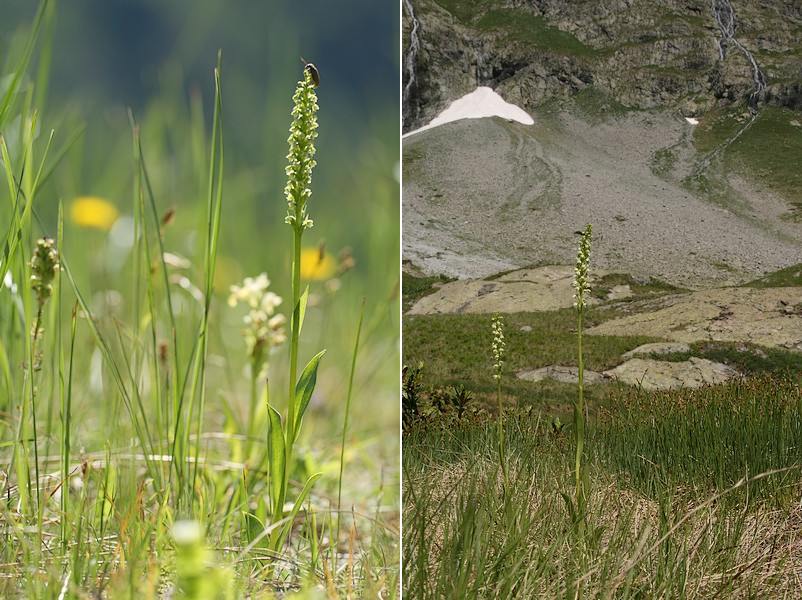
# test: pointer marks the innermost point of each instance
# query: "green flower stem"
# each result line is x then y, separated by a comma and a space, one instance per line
252, 406
579, 414
294, 339
32, 366
501, 446
301, 161
582, 288
498, 349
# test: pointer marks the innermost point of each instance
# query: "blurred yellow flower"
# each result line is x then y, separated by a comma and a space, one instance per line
93, 212
317, 264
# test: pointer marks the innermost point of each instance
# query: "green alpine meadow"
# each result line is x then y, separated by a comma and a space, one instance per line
602, 299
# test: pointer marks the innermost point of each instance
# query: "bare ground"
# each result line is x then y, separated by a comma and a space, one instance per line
768, 317
485, 195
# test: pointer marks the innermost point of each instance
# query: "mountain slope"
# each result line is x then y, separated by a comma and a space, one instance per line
481, 196
644, 54
608, 84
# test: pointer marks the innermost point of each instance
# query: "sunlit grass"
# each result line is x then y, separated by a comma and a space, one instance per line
683, 493
690, 494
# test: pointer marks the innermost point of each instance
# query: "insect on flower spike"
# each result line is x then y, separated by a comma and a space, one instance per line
312, 70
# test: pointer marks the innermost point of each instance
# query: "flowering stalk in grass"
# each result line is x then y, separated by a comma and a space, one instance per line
264, 329
44, 266
282, 436
581, 289
498, 348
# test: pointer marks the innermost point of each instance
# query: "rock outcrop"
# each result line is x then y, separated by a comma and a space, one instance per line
642, 54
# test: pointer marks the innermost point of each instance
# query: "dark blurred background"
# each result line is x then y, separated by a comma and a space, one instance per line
152, 55
119, 52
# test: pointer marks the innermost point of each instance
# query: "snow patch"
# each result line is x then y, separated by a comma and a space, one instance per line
480, 103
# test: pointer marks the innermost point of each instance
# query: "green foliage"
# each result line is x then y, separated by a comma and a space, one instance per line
640, 288
453, 348
698, 454
768, 151
522, 26
517, 25
196, 577
708, 438
662, 162
716, 126
127, 410
414, 288
748, 359
596, 104
467, 10
788, 277
411, 389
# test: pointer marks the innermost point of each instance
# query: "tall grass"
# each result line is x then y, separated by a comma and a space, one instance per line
677, 494
703, 532
707, 440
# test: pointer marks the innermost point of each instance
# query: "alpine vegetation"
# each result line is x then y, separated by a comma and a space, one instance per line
498, 348
647, 415
581, 292
263, 330
282, 435
685, 482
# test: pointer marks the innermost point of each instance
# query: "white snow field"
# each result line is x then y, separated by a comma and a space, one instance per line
480, 103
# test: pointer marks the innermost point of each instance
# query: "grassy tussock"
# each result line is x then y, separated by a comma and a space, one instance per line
700, 533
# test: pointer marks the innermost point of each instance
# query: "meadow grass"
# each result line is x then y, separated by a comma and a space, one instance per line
533, 30
517, 25
142, 453
467, 11
695, 499
596, 105
675, 494
789, 276
414, 288
767, 152
452, 349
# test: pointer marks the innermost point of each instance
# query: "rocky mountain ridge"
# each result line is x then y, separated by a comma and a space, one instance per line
673, 54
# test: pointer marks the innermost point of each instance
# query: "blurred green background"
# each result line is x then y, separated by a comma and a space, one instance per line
151, 55
157, 58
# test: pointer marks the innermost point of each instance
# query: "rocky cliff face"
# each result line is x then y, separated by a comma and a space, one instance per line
639, 53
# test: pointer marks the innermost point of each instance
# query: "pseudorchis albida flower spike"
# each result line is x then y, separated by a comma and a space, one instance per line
301, 157
264, 328
498, 346
44, 265
581, 281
